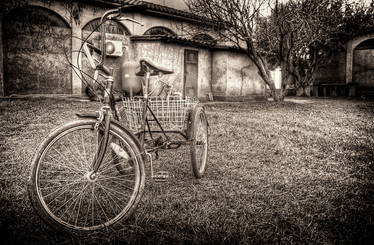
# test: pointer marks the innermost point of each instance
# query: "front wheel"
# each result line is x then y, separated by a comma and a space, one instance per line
65, 191
199, 136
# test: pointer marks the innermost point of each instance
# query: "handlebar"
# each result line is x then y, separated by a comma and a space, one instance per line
114, 14
107, 15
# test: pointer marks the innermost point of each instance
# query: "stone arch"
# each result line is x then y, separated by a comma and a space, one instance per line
35, 42
357, 41
114, 31
350, 48
113, 27
204, 38
51, 17
159, 30
363, 65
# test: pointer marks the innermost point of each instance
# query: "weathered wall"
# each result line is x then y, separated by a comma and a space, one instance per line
172, 56
231, 74
219, 73
34, 58
363, 69
235, 77
166, 55
204, 74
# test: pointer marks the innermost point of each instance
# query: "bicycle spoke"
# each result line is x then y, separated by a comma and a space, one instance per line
101, 207
78, 153
114, 192
66, 188
116, 178
68, 161
69, 201
112, 200
123, 185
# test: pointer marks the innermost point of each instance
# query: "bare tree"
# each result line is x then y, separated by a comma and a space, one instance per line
299, 36
237, 26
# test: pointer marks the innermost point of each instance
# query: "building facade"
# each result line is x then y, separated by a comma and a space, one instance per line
351, 70
40, 38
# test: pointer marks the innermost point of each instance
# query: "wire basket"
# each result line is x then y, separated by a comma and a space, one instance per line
172, 112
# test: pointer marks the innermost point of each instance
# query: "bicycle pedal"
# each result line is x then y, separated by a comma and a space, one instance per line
161, 176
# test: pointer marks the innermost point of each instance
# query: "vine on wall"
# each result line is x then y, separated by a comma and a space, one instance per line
74, 9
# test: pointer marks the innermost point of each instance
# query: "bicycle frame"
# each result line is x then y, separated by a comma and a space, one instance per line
89, 174
109, 110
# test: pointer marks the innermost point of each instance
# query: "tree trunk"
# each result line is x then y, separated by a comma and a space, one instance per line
264, 72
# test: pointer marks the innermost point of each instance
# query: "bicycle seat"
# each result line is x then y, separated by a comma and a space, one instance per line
155, 69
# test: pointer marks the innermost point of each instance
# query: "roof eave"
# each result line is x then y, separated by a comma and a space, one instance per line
168, 39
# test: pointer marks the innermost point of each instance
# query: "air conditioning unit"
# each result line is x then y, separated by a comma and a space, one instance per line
113, 48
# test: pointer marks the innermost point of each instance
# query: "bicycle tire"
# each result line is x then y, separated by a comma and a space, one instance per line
73, 199
198, 132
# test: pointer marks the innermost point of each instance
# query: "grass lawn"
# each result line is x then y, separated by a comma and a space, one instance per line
277, 173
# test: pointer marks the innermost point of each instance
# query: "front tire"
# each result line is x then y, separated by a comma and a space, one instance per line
68, 195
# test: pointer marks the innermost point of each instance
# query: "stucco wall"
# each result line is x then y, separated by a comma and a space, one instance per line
235, 77
224, 73
169, 56
205, 73
219, 73
172, 56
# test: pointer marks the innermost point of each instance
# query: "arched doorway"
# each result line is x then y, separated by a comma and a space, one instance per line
363, 66
34, 57
115, 31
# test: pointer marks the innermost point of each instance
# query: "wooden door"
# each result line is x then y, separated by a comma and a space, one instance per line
190, 72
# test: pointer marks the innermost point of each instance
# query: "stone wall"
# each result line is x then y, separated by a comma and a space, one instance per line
34, 56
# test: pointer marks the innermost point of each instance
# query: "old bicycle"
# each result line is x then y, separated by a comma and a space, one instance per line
89, 174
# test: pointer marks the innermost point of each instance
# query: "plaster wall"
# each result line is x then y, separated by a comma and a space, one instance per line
219, 73
235, 77
172, 56
204, 73
224, 73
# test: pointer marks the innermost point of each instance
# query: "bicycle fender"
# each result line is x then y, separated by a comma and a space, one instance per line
94, 115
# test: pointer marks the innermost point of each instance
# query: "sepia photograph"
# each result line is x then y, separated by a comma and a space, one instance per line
186, 122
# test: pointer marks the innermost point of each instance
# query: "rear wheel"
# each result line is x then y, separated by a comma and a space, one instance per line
65, 191
198, 132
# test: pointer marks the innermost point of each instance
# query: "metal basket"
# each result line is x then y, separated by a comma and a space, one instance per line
172, 112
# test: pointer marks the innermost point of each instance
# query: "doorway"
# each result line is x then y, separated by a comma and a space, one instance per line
190, 72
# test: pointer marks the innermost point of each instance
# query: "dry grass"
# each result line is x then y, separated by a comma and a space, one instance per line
277, 173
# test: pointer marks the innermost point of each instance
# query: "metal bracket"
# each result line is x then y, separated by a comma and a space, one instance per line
100, 119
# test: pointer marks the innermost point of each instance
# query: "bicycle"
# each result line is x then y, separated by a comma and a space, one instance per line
89, 174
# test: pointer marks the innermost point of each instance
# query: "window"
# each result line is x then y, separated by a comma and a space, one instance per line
159, 30
111, 27
204, 37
